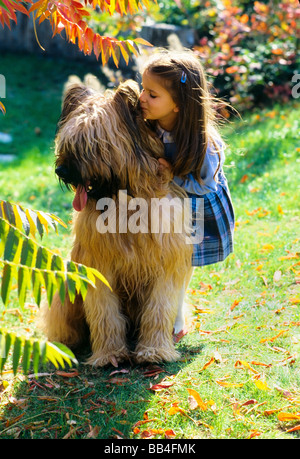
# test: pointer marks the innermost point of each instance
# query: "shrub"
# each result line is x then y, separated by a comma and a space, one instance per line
248, 48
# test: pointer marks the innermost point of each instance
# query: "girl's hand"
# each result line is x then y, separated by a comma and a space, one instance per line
164, 169
163, 164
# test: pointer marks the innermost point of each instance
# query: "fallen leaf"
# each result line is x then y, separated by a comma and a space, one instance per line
192, 403
261, 364
153, 371
144, 421
249, 402
162, 385
67, 374
118, 371
118, 432
194, 394
228, 384
242, 363
254, 433
284, 392
234, 304
288, 416
175, 409
293, 429
93, 432
267, 248
169, 433
261, 385
274, 337
208, 363
287, 361
151, 433
289, 256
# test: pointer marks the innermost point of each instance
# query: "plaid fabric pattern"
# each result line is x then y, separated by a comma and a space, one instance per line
217, 215
217, 242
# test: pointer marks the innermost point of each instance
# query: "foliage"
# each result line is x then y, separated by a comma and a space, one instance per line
249, 49
34, 351
35, 267
71, 17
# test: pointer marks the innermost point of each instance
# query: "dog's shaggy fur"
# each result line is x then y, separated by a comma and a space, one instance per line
102, 146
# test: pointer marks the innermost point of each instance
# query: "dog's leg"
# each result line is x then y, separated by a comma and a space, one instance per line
107, 327
155, 339
64, 323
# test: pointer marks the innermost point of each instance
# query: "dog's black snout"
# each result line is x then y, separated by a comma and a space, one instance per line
62, 172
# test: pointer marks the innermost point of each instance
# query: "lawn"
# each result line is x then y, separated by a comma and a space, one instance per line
238, 376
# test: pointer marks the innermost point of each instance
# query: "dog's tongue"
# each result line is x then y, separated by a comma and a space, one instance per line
80, 199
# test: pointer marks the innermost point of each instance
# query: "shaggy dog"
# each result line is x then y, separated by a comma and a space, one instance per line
105, 152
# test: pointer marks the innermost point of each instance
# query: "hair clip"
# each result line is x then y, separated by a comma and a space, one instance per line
183, 77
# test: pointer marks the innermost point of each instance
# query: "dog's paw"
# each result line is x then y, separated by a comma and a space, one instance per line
99, 359
153, 355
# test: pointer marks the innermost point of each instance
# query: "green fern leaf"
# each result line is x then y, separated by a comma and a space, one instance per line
26, 359
35, 352
18, 345
7, 276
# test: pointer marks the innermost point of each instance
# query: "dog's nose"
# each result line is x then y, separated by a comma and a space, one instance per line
62, 172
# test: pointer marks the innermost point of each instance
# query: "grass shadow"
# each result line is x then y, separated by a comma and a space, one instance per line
87, 402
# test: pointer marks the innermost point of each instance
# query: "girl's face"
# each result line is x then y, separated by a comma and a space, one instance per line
157, 103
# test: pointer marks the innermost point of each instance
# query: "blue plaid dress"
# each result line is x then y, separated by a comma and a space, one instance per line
214, 206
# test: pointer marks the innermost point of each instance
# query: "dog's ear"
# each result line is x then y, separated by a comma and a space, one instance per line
128, 93
74, 96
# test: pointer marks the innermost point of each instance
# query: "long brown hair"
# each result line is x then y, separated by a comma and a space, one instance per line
183, 76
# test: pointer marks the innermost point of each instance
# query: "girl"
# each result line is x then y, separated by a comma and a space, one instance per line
176, 103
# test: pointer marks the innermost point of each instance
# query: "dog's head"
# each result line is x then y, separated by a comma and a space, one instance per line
103, 144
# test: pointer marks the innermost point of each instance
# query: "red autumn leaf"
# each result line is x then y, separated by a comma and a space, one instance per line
67, 374
162, 385
153, 371
169, 433
249, 402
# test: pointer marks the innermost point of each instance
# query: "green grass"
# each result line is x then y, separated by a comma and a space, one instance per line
243, 312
